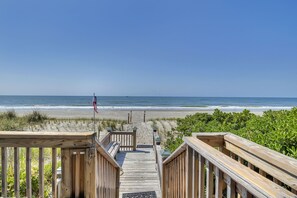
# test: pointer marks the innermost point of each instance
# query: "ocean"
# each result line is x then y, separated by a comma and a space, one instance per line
146, 103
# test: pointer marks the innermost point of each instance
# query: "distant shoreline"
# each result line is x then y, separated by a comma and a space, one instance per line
138, 115
155, 107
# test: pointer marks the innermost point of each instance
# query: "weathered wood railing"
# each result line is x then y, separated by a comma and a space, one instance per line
127, 140
87, 169
158, 157
225, 165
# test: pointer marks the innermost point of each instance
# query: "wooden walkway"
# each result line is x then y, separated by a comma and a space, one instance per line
139, 171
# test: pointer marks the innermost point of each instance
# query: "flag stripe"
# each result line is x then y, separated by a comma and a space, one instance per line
95, 104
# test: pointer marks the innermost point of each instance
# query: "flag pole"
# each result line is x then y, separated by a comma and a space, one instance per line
94, 115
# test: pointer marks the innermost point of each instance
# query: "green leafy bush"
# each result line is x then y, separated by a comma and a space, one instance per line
276, 130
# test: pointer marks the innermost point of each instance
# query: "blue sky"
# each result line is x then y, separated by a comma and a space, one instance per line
149, 47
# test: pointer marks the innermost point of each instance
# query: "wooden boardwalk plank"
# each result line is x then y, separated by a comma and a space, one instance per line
139, 171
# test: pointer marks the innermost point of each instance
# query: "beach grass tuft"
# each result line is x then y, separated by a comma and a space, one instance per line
36, 117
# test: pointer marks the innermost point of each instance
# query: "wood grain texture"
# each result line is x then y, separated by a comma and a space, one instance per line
16, 172
46, 139
41, 172
279, 160
265, 166
254, 183
54, 172
218, 183
67, 173
28, 173
4, 171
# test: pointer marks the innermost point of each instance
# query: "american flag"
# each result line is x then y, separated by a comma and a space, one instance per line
95, 103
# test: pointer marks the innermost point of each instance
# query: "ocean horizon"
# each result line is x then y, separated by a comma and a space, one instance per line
146, 103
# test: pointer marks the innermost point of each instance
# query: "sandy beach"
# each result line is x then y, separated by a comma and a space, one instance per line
67, 121
137, 116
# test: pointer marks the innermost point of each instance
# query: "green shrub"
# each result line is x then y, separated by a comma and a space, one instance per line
276, 130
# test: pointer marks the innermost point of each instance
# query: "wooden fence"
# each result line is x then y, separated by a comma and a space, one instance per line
225, 165
127, 140
87, 169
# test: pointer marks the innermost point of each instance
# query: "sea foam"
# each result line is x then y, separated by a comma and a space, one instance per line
152, 108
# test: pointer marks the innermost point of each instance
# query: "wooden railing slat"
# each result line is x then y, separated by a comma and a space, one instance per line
54, 172
16, 172
263, 173
28, 173
256, 184
285, 177
209, 179
195, 174
77, 175
80, 172
244, 172
279, 160
218, 183
4, 171
242, 192
189, 172
230, 187
201, 176
134, 141
41, 172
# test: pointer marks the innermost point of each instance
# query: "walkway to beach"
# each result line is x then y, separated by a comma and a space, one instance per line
139, 171
139, 167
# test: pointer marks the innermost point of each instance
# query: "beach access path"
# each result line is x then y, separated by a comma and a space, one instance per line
139, 167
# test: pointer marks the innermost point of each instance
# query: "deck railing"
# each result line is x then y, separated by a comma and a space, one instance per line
225, 165
158, 157
87, 169
127, 140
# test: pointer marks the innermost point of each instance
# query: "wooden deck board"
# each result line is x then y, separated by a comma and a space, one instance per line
139, 171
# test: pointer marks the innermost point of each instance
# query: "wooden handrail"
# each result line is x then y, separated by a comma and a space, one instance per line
189, 171
279, 160
87, 168
46, 139
127, 139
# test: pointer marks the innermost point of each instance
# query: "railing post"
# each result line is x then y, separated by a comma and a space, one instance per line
66, 173
90, 172
163, 185
134, 138
144, 116
118, 182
